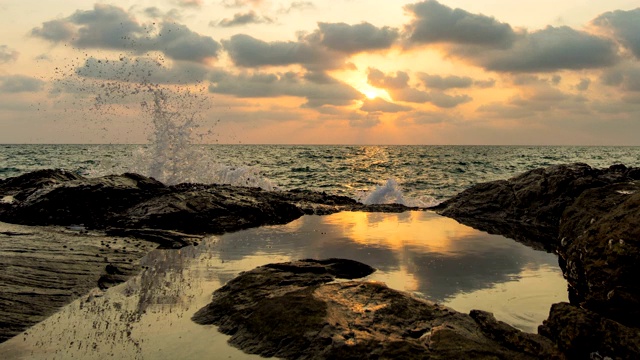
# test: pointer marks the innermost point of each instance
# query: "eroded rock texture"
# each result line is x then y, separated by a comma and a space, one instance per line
294, 311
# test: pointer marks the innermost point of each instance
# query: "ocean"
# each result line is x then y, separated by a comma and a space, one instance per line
414, 175
420, 252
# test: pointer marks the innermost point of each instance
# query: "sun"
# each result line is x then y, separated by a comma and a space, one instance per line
372, 92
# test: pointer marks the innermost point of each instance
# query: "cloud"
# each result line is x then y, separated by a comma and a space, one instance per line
259, 84
583, 85
436, 23
495, 46
19, 84
381, 105
296, 6
110, 27
325, 48
626, 77
190, 3
247, 51
547, 50
55, 31
241, 3
7, 54
625, 26
440, 99
240, 19
484, 84
444, 83
143, 70
398, 87
355, 38
536, 98
377, 78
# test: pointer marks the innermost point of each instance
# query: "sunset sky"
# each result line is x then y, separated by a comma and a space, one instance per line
323, 71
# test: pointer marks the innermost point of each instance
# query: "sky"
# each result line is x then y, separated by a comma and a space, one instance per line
497, 72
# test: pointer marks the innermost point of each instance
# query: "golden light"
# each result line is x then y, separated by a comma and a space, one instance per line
373, 92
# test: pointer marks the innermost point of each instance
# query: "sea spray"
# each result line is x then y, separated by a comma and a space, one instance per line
391, 193
174, 111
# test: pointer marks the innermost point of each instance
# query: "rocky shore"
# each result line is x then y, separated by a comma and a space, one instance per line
587, 216
99, 228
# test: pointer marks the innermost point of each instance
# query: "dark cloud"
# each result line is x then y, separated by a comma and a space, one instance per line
377, 78
55, 31
583, 85
296, 6
255, 85
110, 27
143, 70
19, 83
436, 23
625, 25
381, 105
325, 48
626, 77
247, 51
7, 54
443, 100
547, 50
355, 38
240, 19
446, 82
180, 43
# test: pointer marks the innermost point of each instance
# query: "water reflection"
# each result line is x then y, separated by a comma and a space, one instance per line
421, 252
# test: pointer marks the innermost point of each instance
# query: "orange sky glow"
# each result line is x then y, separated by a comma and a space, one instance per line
323, 72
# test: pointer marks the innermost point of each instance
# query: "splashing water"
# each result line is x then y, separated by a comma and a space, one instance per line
175, 113
391, 193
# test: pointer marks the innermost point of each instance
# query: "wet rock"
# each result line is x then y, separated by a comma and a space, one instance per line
131, 201
590, 218
38, 275
600, 251
295, 311
528, 207
583, 334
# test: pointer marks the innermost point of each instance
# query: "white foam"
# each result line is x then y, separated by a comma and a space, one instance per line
391, 193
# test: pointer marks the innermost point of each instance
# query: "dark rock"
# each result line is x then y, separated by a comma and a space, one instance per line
590, 218
528, 207
600, 251
583, 334
131, 201
295, 311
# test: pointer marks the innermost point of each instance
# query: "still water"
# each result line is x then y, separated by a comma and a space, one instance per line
419, 252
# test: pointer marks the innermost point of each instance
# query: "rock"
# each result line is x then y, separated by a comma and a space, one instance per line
43, 269
583, 334
528, 207
295, 311
600, 251
133, 202
590, 218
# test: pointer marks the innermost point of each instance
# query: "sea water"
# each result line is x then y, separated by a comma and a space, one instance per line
415, 175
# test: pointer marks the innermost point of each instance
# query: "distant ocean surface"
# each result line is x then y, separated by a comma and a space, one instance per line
412, 174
